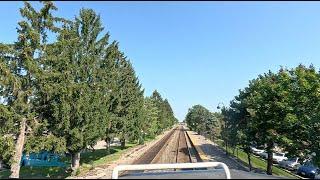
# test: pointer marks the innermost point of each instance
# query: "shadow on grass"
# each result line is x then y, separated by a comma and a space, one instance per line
38, 173
91, 156
4, 174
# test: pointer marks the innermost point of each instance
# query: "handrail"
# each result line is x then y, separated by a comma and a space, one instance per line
118, 168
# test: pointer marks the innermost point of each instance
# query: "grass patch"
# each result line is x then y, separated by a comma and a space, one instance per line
27, 172
257, 162
88, 161
91, 159
102, 156
4, 174
148, 139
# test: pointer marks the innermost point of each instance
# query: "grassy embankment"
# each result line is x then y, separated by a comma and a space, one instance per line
89, 160
256, 162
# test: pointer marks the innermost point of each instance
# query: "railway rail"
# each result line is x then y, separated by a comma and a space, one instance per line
175, 151
183, 152
154, 150
174, 147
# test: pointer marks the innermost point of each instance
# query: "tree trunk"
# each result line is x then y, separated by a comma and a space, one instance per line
92, 147
226, 148
141, 140
123, 143
15, 166
270, 162
238, 152
1, 164
108, 142
75, 158
249, 161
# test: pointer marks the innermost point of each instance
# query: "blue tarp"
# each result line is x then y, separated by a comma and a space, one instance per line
43, 158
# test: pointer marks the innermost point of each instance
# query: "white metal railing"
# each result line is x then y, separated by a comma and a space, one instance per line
118, 168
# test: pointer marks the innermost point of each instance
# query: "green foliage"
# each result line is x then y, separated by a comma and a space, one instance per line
20, 64
73, 91
151, 118
125, 98
277, 108
6, 148
165, 115
6, 134
157, 115
201, 120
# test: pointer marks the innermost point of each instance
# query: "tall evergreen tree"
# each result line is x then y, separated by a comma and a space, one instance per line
66, 95
111, 74
150, 119
130, 101
72, 93
166, 116
23, 62
157, 99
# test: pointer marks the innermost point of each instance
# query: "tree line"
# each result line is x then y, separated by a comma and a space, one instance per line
204, 122
277, 108
64, 86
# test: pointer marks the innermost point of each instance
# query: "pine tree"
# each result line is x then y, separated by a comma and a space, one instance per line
150, 118
72, 93
66, 95
111, 75
157, 99
135, 104
7, 115
165, 116
169, 113
23, 65
125, 97
130, 101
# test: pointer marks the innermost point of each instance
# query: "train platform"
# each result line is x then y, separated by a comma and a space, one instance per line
210, 152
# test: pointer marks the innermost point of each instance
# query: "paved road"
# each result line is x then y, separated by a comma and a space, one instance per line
217, 155
214, 153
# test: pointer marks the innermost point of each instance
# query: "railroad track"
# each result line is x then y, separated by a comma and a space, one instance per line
174, 147
152, 152
183, 152
175, 150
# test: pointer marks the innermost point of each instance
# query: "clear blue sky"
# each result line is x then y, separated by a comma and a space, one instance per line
200, 52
